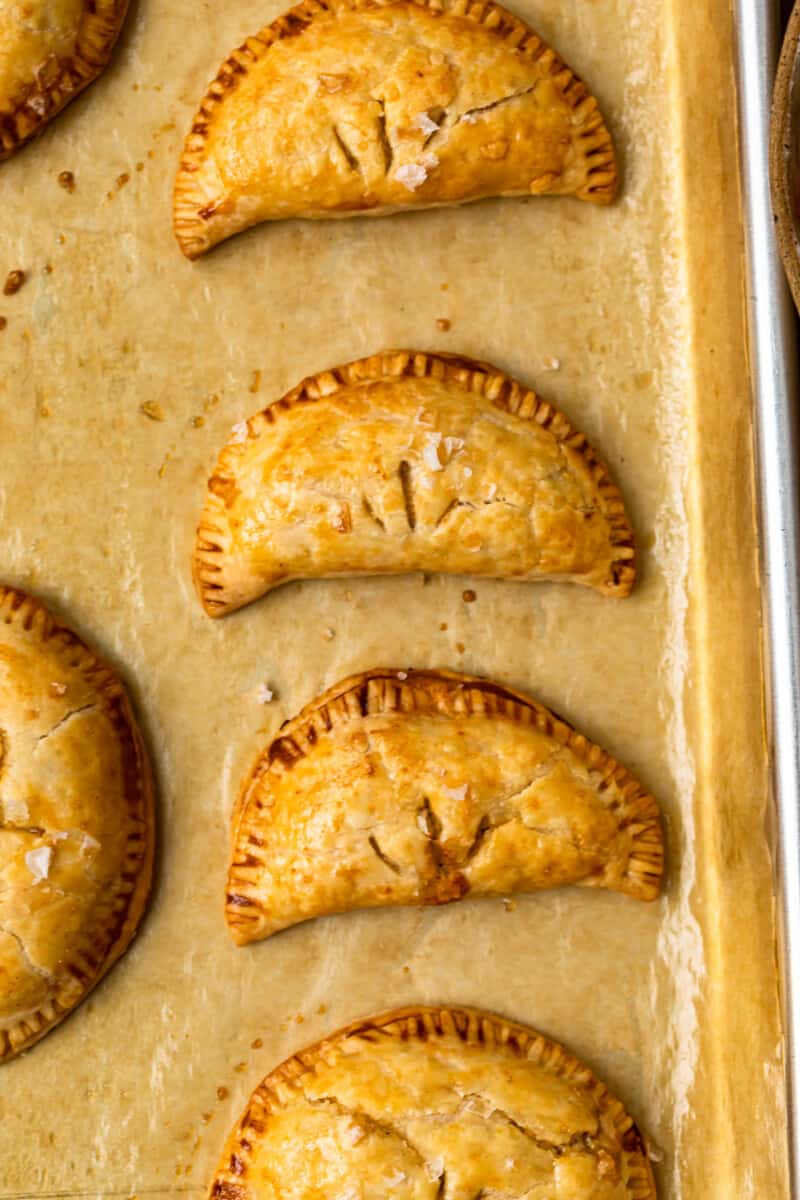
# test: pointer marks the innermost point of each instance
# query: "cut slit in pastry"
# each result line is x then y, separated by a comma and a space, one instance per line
421, 787
76, 821
346, 107
409, 462
50, 50
422, 1103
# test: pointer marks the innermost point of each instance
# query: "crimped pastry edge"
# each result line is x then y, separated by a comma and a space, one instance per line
85, 971
451, 693
190, 228
100, 27
473, 1026
496, 386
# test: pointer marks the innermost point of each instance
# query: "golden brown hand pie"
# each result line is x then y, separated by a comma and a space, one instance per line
424, 1103
49, 51
345, 107
409, 462
76, 821
420, 787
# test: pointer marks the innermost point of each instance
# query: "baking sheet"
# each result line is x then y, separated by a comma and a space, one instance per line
640, 306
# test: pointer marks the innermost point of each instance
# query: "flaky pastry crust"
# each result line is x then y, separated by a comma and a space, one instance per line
346, 107
50, 50
422, 787
76, 821
427, 1102
409, 461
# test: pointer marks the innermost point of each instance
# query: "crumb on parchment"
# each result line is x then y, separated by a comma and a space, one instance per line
3, 322
14, 281
66, 180
443, 324
469, 596
153, 410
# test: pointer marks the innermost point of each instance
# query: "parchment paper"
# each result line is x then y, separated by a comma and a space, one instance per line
639, 307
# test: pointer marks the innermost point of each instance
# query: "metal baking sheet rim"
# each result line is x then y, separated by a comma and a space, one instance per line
774, 375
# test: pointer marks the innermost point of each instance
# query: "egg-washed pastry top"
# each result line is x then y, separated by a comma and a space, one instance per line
49, 51
345, 107
422, 787
409, 461
434, 1104
76, 821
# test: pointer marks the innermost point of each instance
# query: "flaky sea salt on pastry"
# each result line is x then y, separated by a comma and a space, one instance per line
421, 787
409, 462
346, 107
76, 821
427, 1103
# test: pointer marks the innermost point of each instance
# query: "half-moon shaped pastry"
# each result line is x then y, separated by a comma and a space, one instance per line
76, 821
421, 787
409, 462
423, 1103
49, 51
346, 107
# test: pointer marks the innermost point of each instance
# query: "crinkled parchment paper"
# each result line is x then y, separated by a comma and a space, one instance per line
629, 318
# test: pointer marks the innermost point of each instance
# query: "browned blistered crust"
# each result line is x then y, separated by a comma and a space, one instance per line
385, 692
217, 574
59, 80
123, 904
616, 1143
200, 222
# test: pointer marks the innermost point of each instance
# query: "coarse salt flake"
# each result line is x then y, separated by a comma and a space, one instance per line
459, 793
239, 432
354, 1134
552, 364
265, 694
395, 1179
38, 862
452, 445
469, 118
89, 845
435, 1168
402, 674
411, 175
426, 124
430, 452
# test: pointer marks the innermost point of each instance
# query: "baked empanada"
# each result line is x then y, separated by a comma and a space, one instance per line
409, 462
426, 1103
76, 821
421, 787
346, 107
49, 51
